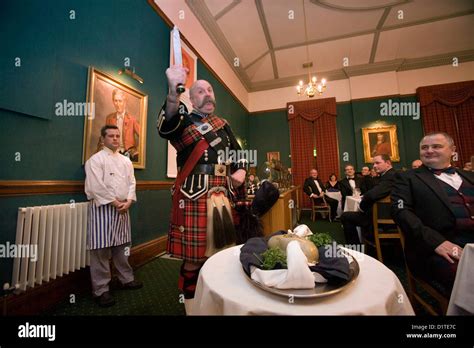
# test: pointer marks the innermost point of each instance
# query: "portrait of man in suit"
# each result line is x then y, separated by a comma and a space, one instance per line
380, 141
128, 125
116, 104
380, 144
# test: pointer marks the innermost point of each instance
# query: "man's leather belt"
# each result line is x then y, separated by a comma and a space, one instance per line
212, 169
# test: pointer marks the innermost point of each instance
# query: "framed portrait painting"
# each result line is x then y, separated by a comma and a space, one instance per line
273, 156
380, 140
115, 103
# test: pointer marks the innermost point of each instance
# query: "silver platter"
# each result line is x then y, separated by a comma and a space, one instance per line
320, 290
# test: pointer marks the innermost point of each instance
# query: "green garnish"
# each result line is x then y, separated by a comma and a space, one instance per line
273, 256
320, 239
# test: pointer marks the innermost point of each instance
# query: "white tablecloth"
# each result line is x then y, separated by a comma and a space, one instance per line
462, 296
337, 196
224, 289
352, 203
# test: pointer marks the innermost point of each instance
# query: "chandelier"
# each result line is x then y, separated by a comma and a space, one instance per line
312, 87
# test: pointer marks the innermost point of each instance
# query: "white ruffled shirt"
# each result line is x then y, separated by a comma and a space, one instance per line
109, 176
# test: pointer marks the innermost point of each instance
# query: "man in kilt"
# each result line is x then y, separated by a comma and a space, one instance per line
207, 182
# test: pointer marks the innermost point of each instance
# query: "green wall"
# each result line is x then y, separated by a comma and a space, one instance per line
55, 54
268, 131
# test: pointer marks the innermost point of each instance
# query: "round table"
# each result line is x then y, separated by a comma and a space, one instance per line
224, 289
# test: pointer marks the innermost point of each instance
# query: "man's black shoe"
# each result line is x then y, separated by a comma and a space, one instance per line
133, 285
105, 300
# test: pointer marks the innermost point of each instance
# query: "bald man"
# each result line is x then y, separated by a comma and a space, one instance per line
200, 139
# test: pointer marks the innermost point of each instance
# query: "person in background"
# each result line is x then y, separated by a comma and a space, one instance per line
367, 182
365, 171
332, 185
349, 183
416, 164
314, 188
363, 217
433, 206
253, 180
468, 166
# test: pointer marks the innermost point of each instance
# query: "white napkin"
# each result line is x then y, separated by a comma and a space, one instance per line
297, 276
301, 231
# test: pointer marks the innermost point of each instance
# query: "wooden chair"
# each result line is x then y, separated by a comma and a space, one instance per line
413, 281
377, 222
320, 208
415, 296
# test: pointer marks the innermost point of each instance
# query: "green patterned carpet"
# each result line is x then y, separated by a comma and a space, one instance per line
160, 296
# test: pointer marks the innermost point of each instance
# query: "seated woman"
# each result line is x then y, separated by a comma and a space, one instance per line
332, 185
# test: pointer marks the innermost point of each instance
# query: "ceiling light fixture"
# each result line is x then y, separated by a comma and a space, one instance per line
310, 89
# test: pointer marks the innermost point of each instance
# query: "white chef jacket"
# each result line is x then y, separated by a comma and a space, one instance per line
109, 176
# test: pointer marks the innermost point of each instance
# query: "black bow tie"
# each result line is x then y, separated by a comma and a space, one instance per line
449, 170
349, 178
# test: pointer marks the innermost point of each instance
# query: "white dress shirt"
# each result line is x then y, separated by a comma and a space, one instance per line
453, 180
109, 176
317, 185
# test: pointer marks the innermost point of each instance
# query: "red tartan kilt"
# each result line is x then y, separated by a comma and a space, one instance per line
190, 244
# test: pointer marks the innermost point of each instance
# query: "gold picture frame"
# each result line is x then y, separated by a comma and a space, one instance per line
273, 155
103, 110
380, 140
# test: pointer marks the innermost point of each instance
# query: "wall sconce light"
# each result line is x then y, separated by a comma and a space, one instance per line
130, 73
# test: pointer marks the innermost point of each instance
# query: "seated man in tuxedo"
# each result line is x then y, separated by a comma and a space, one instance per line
367, 182
349, 183
363, 218
434, 207
314, 188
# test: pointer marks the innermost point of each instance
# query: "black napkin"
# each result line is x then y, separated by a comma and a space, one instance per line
335, 268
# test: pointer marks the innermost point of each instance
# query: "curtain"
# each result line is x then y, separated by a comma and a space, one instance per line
450, 108
312, 126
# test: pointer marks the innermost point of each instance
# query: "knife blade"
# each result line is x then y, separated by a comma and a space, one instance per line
178, 59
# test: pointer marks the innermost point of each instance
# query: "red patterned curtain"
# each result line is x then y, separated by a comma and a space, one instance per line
313, 125
450, 108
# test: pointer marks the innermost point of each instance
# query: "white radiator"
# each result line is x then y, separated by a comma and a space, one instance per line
56, 236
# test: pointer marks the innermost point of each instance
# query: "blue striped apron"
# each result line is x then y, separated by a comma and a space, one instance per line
106, 227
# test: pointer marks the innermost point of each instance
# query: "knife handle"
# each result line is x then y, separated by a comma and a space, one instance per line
180, 88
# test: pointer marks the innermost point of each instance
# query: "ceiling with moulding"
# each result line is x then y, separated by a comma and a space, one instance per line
371, 36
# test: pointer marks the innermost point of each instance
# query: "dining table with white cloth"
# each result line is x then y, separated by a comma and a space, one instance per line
224, 288
461, 301
352, 203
